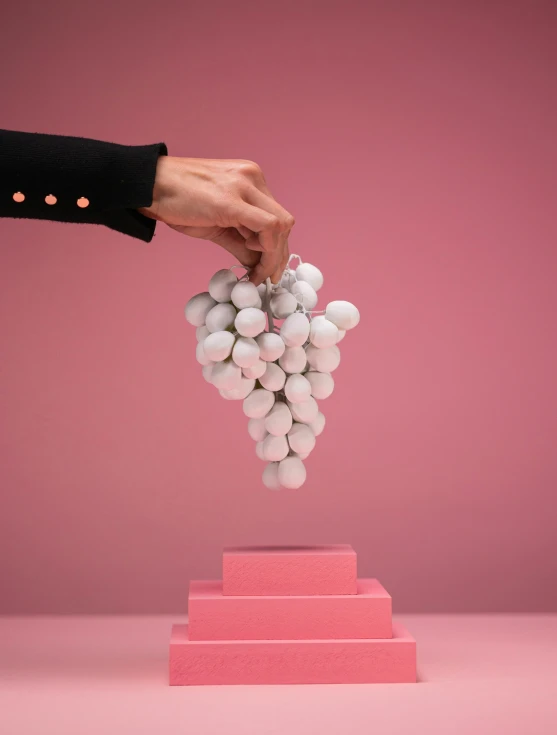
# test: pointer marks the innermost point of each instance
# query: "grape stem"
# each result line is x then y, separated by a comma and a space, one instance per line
268, 305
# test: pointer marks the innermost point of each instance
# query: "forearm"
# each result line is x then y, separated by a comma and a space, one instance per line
69, 179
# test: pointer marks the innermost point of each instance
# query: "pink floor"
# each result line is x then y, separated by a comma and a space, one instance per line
479, 674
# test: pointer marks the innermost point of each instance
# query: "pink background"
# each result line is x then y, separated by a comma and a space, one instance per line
416, 145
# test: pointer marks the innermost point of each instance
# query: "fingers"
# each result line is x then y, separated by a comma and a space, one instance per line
232, 241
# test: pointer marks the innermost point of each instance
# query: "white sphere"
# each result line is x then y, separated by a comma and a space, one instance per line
245, 352
218, 345
220, 317
207, 371
322, 332
283, 304
297, 388
310, 274
270, 476
262, 291
202, 333
341, 335
295, 330
279, 419
273, 378
201, 356
292, 473
250, 322
302, 455
221, 285
226, 376
293, 360
324, 361
245, 294
238, 394
318, 425
322, 384
305, 294
301, 439
198, 307
256, 370
260, 451
271, 346
288, 279
275, 448
258, 403
343, 314
305, 412
257, 430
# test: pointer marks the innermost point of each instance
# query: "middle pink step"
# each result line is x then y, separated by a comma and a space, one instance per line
214, 616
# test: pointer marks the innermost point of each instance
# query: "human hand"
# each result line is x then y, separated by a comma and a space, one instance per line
228, 202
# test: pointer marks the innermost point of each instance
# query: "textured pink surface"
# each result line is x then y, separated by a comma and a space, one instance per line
214, 616
478, 675
371, 661
290, 570
414, 142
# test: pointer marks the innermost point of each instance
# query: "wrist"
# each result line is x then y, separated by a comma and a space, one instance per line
161, 187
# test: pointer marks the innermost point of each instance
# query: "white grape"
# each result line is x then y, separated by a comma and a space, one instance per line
198, 307
292, 473
244, 295
226, 376
297, 388
221, 285
250, 322
262, 291
201, 333
322, 332
256, 370
302, 455
342, 313
301, 439
220, 317
201, 356
305, 294
288, 279
258, 403
271, 346
324, 361
283, 304
260, 451
270, 476
293, 360
273, 378
305, 412
322, 384
257, 430
318, 424
245, 352
207, 371
310, 274
275, 448
218, 345
278, 421
341, 335
242, 391
295, 330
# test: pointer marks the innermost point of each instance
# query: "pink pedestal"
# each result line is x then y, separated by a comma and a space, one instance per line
290, 616
302, 570
214, 616
194, 663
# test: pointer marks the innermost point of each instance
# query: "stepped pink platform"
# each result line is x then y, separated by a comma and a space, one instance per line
296, 629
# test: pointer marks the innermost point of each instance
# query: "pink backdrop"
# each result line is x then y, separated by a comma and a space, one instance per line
416, 145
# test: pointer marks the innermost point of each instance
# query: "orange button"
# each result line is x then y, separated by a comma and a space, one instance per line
50, 199
18, 197
82, 202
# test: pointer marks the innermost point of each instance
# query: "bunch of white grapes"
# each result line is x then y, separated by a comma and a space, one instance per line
279, 371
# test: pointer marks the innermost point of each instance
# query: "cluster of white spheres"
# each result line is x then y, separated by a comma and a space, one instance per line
279, 371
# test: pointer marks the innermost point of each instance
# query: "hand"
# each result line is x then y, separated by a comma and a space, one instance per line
227, 202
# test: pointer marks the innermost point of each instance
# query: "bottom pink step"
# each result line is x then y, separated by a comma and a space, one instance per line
197, 663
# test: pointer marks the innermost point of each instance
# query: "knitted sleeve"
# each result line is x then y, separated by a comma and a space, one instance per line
69, 179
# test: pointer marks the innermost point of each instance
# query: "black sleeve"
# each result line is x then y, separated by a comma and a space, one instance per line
68, 179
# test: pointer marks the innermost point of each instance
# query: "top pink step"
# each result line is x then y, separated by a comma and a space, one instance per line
289, 570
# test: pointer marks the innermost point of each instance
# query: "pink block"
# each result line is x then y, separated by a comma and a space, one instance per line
202, 663
214, 616
290, 570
